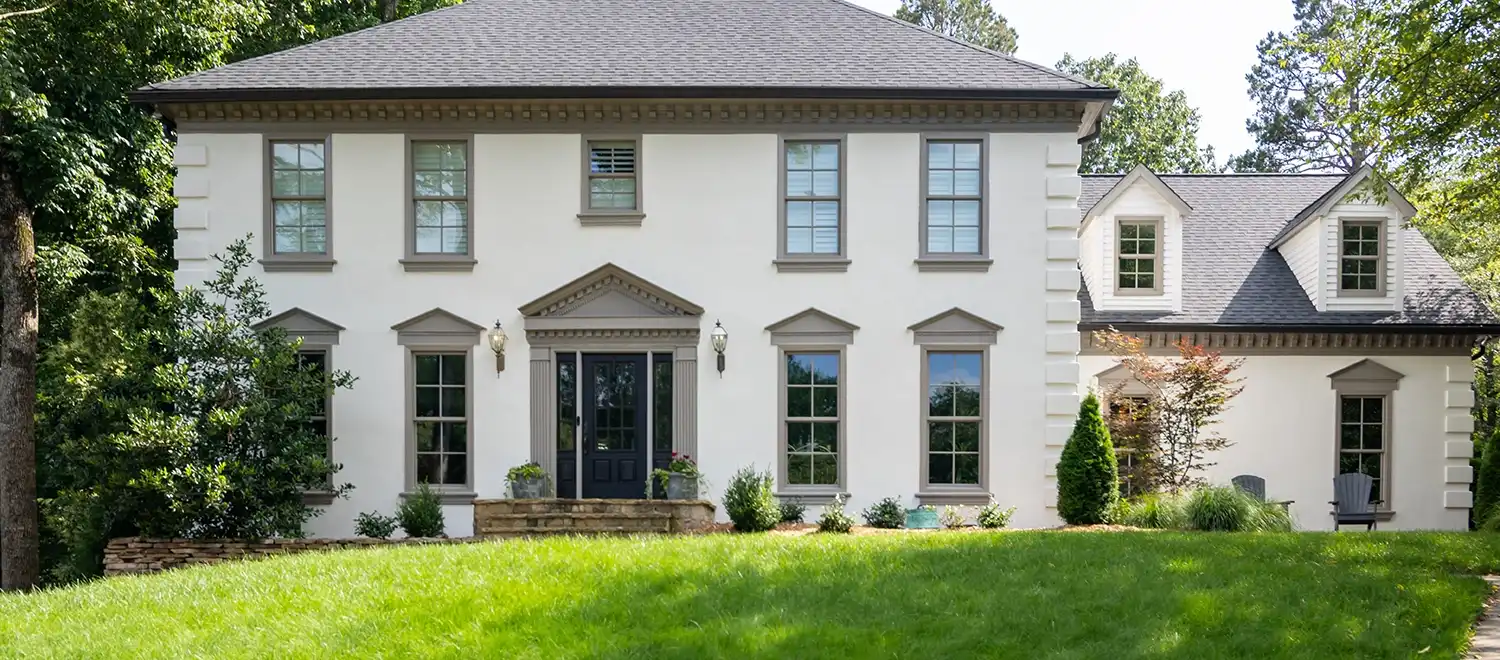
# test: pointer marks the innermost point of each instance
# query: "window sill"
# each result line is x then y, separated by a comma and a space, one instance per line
960, 497
813, 498
449, 496
429, 265
296, 265
834, 265
603, 219
317, 498
954, 265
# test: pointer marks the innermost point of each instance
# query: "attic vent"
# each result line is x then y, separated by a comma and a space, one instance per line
612, 175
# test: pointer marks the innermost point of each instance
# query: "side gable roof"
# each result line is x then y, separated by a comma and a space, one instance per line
1325, 203
1140, 173
634, 48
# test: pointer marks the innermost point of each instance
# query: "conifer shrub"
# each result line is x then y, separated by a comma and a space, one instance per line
1087, 477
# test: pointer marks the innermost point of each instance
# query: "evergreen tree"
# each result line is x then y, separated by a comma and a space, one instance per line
1087, 480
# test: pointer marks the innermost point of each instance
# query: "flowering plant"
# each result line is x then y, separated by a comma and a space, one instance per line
683, 464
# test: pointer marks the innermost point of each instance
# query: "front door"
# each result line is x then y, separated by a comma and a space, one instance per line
613, 407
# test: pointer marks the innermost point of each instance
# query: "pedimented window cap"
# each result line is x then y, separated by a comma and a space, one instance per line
437, 326
955, 326
310, 327
811, 326
1366, 376
570, 299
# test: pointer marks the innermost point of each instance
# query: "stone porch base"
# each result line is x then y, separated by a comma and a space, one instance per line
518, 518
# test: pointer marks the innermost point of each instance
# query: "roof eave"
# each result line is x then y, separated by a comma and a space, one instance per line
1376, 328
172, 95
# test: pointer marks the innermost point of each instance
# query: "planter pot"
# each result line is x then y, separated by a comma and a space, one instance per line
921, 519
529, 489
682, 486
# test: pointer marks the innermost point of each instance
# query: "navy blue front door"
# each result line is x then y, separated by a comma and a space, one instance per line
616, 463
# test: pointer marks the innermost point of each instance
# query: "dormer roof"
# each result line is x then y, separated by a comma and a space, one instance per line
1141, 174
1325, 203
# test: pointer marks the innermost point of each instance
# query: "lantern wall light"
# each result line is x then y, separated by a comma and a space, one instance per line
497, 344
719, 339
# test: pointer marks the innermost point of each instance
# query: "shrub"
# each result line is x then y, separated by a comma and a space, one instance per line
374, 525
1209, 509
993, 517
750, 500
792, 511
888, 513
1487, 478
421, 513
834, 520
1152, 511
1087, 482
1220, 509
952, 517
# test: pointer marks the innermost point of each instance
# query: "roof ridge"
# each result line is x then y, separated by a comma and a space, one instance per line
961, 42
293, 49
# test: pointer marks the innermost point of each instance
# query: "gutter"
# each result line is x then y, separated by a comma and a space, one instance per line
148, 95
1371, 328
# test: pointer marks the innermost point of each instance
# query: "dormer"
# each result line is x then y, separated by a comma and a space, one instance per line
1346, 248
1131, 245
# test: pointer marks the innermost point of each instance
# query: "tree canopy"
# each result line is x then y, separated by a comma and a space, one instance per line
1147, 125
972, 21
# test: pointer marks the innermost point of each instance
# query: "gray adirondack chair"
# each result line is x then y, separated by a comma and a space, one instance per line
1351, 500
1256, 487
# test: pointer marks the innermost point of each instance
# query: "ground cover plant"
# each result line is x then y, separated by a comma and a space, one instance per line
1010, 594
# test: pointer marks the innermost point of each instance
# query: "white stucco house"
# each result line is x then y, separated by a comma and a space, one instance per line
889, 225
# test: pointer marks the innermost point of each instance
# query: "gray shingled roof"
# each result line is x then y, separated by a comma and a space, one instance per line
637, 43
1230, 277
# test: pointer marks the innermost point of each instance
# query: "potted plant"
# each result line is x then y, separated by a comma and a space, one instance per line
680, 479
527, 481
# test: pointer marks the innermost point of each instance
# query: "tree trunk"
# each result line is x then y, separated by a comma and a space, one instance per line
388, 10
19, 561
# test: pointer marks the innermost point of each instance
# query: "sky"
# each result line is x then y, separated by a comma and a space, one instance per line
1202, 47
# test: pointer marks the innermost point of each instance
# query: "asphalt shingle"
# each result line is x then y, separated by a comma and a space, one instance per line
1230, 277
637, 43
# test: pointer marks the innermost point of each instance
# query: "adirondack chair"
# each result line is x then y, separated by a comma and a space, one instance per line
1256, 487
1351, 500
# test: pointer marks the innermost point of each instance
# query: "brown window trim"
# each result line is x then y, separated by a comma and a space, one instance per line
787, 262
969, 262
271, 261
591, 217
1158, 226
1380, 258
414, 262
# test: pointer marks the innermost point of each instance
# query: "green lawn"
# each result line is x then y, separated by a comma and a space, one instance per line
937, 596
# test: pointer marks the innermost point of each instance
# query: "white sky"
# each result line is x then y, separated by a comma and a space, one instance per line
1202, 47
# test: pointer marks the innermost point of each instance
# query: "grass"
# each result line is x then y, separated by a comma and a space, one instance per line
934, 595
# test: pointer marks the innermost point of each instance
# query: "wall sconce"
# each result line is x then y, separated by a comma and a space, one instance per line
719, 338
497, 344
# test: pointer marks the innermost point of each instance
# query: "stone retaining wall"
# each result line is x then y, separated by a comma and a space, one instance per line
521, 518
125, 556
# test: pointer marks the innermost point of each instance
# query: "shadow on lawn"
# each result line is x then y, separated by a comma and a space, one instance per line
1021, 595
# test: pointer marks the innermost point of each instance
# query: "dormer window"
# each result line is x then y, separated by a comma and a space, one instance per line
1360, 257
1139, 271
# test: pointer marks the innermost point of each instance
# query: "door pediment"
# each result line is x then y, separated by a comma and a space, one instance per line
609, 301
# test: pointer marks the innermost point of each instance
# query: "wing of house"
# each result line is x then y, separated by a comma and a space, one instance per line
884, 221
1356, 334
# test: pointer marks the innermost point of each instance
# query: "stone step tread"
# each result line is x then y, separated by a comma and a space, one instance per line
649, 515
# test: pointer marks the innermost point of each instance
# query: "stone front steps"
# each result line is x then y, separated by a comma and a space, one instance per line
548, 517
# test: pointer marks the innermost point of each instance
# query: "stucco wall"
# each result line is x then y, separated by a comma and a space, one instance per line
1282, 427
709, 236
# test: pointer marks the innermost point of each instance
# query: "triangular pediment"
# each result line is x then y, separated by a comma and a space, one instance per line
955, 326
1366, 370
956, 320
437, 320
610, 292
813, 320
297, 320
